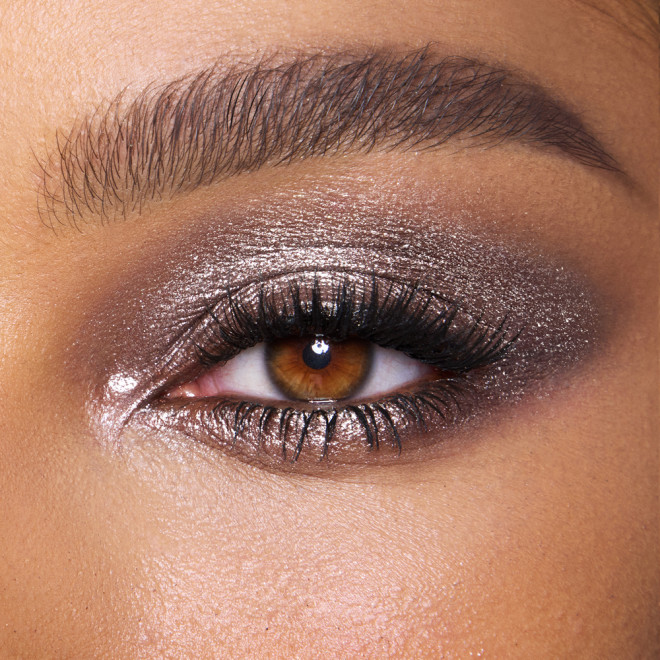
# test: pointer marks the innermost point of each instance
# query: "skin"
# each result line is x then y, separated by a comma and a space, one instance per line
535, 536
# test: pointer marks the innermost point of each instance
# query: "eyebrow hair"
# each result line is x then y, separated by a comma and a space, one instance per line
221, 121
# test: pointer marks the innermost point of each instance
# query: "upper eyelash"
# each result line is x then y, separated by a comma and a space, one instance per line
400, 317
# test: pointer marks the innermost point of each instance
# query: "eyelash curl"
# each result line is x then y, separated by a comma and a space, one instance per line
411, 319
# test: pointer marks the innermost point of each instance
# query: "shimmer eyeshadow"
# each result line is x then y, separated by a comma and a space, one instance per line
145, 336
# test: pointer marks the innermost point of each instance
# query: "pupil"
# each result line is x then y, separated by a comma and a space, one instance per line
317, 354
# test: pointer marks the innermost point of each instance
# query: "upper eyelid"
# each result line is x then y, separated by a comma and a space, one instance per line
371, 279
405, 319
176, 366
196, 320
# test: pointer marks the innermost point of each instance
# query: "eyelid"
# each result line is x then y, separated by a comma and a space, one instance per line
380, 299
148, 330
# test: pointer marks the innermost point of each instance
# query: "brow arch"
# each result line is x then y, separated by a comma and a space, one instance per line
226, 119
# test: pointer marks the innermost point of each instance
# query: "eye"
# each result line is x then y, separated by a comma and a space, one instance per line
323, 366
308, 369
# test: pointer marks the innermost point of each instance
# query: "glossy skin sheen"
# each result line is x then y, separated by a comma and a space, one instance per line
521, 524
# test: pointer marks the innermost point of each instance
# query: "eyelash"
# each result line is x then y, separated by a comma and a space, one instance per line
394, 319
391, 314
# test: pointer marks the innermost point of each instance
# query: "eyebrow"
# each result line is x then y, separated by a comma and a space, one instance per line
222, 121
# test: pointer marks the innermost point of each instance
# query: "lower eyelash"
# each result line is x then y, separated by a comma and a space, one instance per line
286, 431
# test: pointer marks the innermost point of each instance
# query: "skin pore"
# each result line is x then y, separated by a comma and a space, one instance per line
529, 529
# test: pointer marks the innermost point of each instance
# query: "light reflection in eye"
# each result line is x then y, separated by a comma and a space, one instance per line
309, 369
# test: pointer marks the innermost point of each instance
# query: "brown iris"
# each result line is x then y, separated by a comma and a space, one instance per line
317, 368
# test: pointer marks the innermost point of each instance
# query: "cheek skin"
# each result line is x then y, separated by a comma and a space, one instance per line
180, 552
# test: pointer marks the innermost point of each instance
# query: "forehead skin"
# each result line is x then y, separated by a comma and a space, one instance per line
538, 541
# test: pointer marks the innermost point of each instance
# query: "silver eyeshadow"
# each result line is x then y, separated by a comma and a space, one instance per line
134, 339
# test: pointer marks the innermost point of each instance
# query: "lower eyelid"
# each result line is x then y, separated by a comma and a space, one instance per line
273, 436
